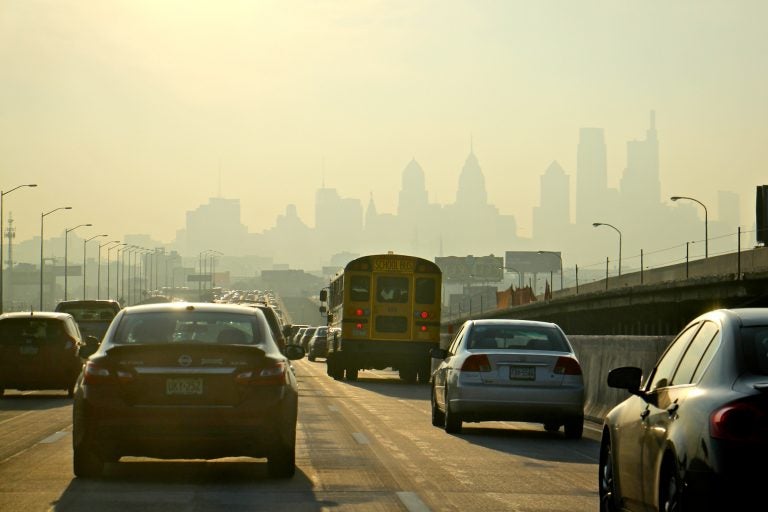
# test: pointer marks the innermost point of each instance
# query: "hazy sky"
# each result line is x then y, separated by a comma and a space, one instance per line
135, 111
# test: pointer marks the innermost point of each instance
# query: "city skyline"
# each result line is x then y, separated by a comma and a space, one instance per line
135, 123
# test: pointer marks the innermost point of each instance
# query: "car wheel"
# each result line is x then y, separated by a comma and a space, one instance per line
438, 418
670, 488
574, 428
71, 391
282, 462
311, 355
452, 423
607, 482
86, 462
551, 427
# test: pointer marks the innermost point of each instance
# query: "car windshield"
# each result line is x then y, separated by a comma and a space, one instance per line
197, 327
517, 337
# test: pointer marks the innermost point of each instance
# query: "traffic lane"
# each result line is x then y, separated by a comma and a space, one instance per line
489, 466
28, 417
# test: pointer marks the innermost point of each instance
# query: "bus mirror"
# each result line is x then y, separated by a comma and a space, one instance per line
323, 295
322, 309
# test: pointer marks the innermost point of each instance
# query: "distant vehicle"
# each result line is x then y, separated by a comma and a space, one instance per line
39, 351
291, 337
306, 336
317, 345
509, 370
387, 307
190, 381
92, 316
296, 340
693, 435
275, 322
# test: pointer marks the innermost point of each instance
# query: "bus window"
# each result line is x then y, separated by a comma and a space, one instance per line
360, 289
392, 289
425, 290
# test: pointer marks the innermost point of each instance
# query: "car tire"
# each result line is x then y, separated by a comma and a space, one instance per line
607, 492
311, 355
670, 488
438, 417
551, 427
86, 462
71, 391
574, 428
282, 462
452, 423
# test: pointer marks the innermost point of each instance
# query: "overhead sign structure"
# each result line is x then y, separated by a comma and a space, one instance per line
198, 278
532, 262
471, 269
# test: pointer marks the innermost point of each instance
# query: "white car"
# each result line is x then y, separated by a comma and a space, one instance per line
509, 370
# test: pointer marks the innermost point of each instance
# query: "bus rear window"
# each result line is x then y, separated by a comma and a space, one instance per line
425, 290
392, 289
360, 289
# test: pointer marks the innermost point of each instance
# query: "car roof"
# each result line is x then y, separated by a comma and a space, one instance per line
510, 321
36, 314
747, 316
196, 306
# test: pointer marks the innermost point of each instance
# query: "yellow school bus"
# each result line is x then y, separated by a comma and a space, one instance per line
386, 308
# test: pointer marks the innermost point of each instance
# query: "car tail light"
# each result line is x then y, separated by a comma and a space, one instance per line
268, 375
94, 373
743, 420
476, 363
567, 366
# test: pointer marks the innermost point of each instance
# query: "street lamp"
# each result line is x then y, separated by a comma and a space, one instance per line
117, 270
66, 264
596, 224
2, 262
42, 219
559, 257
98, 267
706, 234
84, 243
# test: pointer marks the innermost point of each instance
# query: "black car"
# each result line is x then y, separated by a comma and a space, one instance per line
189, 381
694, 435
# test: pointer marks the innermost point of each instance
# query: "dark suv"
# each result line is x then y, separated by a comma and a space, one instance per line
92, 316
39, 351
275, 323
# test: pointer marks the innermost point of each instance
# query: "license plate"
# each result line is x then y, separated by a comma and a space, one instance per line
28, 350
184, 387
522, 372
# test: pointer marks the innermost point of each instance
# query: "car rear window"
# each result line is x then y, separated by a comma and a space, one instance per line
755, 343
517, 338
201, 327
89, 313
14, 331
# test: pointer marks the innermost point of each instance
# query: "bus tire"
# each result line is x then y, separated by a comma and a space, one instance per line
408, 374
352, 373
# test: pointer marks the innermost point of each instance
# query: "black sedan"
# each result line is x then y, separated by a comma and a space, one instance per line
694, 434
188, 381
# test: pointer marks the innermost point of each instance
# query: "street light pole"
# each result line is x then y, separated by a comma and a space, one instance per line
596, 224
706, 222
117, 269
559, 257
42, 223
98, 271
66, 263
84, 244
2, 236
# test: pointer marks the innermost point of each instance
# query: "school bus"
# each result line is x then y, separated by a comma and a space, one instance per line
386, 311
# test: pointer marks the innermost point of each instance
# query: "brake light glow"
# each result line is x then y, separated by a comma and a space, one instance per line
269, 375
739, 421
359, 312
476, 363
358, 325
423, 328
567, 366
424, 315
95, 374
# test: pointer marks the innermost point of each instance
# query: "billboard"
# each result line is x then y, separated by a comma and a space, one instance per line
471, 269
532, 262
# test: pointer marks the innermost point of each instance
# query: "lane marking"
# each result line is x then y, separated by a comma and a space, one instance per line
412, 502
333, 408
360, 438
54, 437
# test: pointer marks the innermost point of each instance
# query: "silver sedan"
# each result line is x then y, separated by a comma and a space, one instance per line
509, 370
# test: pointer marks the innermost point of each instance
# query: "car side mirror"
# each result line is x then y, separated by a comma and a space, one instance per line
86, 351
92, 340
438, 353
626, 377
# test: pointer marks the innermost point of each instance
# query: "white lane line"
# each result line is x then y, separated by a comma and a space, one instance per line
54, 437
16, 417
333, 408
412, 502
360, 438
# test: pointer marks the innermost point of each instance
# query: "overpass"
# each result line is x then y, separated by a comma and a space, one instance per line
657, 302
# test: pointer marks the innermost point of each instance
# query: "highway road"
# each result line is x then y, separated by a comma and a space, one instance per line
363, 446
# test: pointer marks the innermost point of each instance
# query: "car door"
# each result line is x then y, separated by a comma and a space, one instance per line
440, 376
